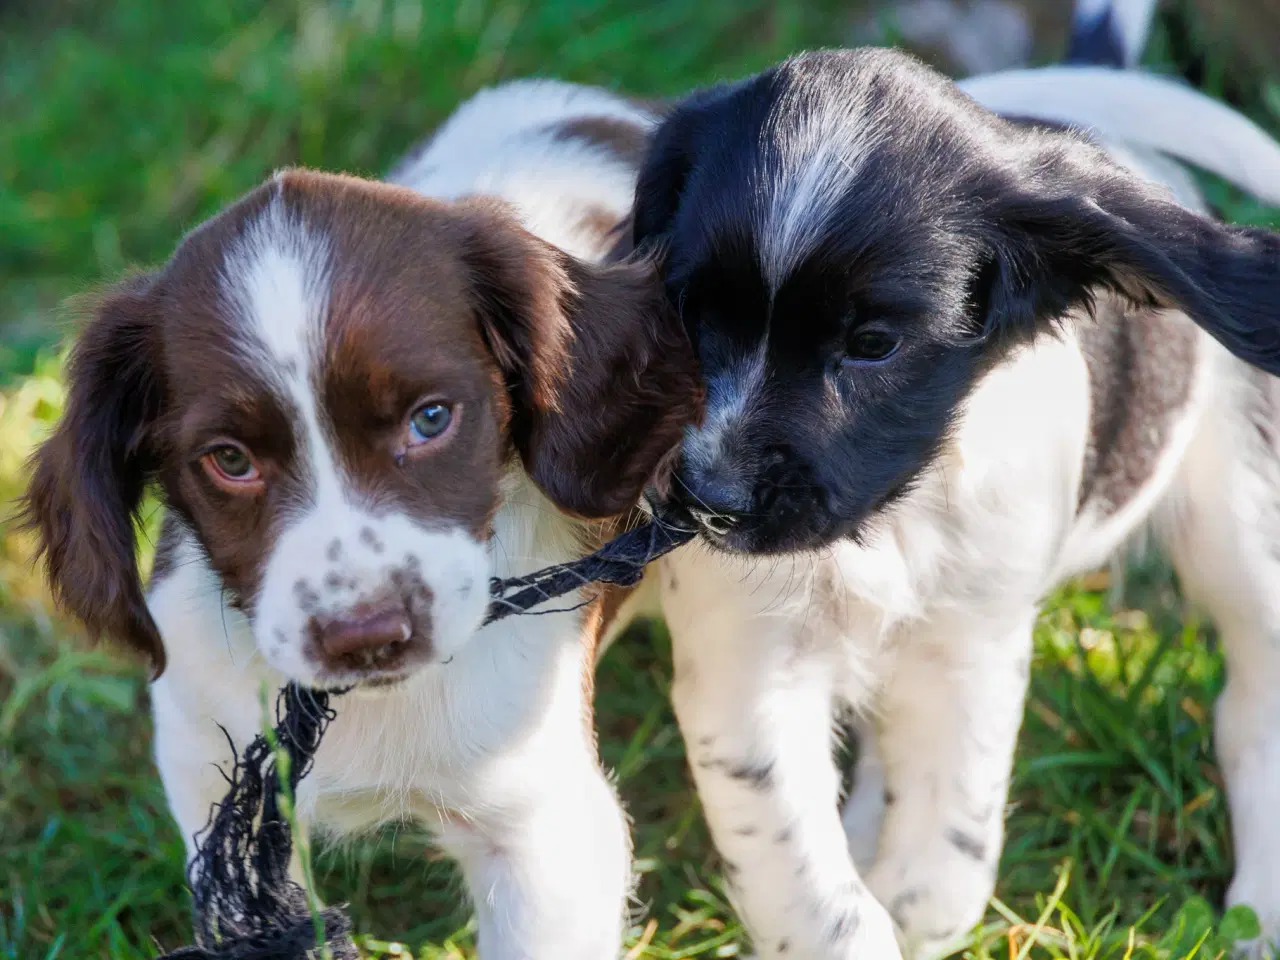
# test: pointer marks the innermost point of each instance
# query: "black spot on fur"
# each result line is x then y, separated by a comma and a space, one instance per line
967, 844
370, 540
758, 775
845, 924
900, 903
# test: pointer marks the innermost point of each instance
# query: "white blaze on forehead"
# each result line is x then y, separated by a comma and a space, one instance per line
818, 147
277, 278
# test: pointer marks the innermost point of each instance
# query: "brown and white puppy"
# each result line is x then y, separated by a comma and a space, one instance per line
361, 403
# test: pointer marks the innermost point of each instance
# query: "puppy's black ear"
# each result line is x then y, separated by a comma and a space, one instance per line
1104, 228
602, 377
669, 161
88, 478
662, 178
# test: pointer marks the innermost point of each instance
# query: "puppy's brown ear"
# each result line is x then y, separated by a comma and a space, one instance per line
603, 377
633, 387
88, 478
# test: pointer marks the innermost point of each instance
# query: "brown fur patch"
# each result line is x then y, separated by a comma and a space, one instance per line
621, 139
1142, 365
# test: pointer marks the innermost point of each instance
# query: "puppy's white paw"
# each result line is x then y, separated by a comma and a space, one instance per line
934, 896
1263, 947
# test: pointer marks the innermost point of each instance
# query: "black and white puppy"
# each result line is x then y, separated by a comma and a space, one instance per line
950, 359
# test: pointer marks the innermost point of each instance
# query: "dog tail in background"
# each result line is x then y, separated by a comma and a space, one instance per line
1142, 111
1109, 33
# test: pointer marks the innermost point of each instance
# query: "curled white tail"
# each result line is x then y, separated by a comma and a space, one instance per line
1143, 110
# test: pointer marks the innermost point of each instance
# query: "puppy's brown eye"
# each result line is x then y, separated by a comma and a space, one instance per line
870, 345
428, 422
231, 467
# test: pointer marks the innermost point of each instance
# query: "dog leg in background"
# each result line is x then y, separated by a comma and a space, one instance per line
948, 725
864, 810
1222, 523
754, 700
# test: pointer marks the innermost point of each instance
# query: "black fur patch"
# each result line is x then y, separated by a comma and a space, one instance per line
839, 335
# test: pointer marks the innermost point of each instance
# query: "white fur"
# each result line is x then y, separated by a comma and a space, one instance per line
804, 191
730, 398
488, 746
500, 143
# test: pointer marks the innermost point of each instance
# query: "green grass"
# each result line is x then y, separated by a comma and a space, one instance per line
126, 123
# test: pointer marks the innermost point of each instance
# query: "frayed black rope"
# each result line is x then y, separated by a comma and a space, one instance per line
246, 906
620, 561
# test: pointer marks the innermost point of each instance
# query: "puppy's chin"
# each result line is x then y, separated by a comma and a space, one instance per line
768, 539
377, 687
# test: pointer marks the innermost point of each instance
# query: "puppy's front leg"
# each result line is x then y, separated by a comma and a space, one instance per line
948, 727
755, 709
550, 874
194, 760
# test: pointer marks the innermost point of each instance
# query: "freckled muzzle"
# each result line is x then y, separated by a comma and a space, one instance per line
387, 597
385, 637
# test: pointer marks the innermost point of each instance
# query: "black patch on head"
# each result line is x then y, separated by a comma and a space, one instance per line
948, 233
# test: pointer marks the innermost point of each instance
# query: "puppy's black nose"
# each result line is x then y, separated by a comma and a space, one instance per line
715, 502
366, 637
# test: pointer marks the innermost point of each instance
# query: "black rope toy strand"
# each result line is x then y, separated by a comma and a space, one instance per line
246, 906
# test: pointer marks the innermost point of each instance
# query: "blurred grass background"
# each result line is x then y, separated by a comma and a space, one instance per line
123, 124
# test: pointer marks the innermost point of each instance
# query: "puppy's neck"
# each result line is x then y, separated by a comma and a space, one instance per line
529, 531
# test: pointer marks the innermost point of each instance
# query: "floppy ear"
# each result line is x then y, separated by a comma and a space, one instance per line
88, 478
632, 388
1108, 229
602, 376
666, 167
668, 162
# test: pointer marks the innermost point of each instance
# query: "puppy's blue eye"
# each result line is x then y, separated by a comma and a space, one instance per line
871, 345
428, 422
